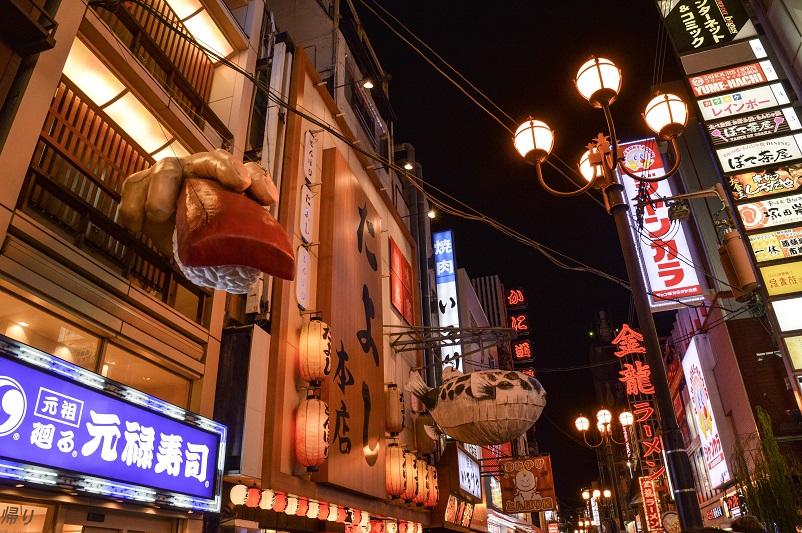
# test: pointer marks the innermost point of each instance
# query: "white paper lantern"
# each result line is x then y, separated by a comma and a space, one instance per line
334, 510
314, 509
292, 505
422, 485
239, 493
268, 499
312, 433
396, 476
314, 351
393, 410
392, 526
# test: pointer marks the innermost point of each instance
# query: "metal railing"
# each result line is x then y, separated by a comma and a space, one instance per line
74, 183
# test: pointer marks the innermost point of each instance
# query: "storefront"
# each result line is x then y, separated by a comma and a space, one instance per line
80, 452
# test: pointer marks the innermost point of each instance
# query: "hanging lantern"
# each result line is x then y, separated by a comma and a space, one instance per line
268, 499
364, 524
423, 442
323, 511
403, 527
303, 507
239, 493
377, 526
342, 515
410, 473
312, 433
433, 494
314, 351
292, 505
354, 516
313, 510
422, 486
391, 526
281, 502
393, 410
334, 512
254, 496
394, 464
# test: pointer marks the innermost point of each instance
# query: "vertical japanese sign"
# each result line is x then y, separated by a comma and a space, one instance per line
350, 296
445, 275
698, 24
519, 321
666, 256
401, 283
636, 375
705, 405
651, 506
155, 451
527, 485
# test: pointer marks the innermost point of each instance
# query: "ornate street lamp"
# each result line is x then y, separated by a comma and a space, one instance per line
599, 82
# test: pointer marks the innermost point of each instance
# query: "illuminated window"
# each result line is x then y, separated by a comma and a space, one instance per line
130, 369
35, 327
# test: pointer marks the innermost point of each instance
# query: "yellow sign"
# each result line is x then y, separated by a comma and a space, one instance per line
794, 346
777, 244
16, 517
783, 279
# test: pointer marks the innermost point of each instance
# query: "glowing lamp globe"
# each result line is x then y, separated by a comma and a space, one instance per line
606, 493
238, 494
585, 495
626, 419
666, 115
598, 81
604, 416
582, 423
596, 494
534, 140
588, 170
314, 351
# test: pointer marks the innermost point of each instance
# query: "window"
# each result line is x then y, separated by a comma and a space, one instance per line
38, 328
132, 370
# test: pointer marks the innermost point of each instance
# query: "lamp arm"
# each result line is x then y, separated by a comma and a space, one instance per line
608, 115
549, 190
671, 172
585, 438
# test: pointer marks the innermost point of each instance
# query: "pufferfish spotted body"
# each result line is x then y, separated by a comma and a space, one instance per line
484, 408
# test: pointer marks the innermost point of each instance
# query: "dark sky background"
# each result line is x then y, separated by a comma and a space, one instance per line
524, 55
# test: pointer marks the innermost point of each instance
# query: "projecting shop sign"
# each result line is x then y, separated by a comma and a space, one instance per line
753, 126
732, 78
741, 102
766, 182
706, 407
768, 213
778, 244
445, 275
470, 476
56, 417
760, 154
697, 24
782, 279
666, 259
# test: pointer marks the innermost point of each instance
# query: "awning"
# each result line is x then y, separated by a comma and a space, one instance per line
511, 521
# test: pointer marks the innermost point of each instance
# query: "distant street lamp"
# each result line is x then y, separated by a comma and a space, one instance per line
604, 426
599, 82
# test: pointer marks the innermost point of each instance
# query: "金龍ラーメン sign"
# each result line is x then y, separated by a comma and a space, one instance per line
760, 154
126, 445
778, 244
766, 182
732, 78
754, 126
771, 212
742, 102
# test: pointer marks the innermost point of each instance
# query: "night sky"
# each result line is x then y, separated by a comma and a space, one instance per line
524, 55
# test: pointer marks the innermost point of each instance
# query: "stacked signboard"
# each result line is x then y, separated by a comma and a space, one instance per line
743, 98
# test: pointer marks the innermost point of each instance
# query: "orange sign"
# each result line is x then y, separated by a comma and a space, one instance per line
629, 342
651, 506
527, 485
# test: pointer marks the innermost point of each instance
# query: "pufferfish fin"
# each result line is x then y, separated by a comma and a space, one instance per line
433, 432
481, 387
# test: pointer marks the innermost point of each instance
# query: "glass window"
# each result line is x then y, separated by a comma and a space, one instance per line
139, 373
36, 327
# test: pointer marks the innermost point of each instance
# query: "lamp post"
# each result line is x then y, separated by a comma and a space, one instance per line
604, 426
599, 82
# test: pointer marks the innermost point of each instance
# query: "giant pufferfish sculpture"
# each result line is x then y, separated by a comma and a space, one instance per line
485, 407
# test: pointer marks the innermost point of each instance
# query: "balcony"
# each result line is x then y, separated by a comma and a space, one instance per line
26, 27
73, 187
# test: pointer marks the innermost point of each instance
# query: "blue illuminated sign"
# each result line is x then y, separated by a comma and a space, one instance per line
445, 273
114, 440
445, 267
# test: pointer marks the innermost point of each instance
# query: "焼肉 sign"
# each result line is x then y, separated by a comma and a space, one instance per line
445, 275
125, 445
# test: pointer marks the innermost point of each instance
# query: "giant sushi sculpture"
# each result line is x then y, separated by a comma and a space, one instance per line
487, 407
